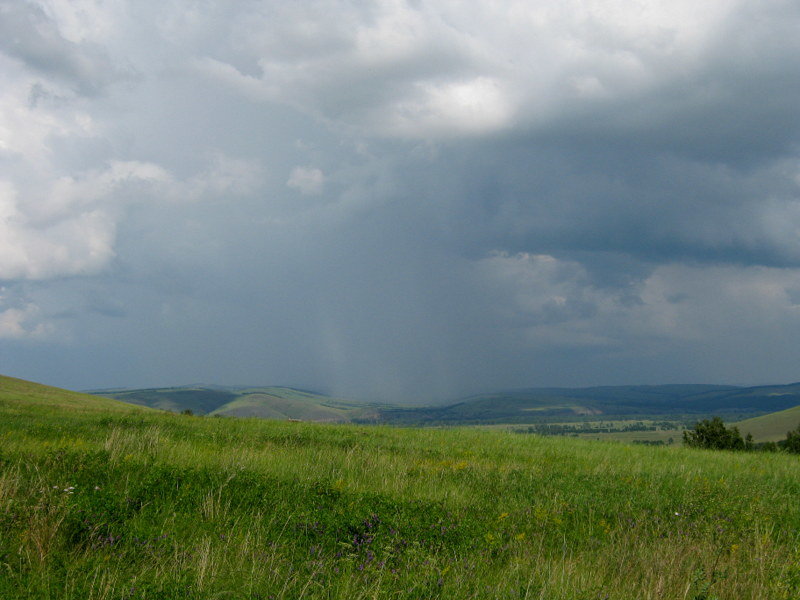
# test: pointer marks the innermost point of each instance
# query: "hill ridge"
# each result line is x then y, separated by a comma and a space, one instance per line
518, 406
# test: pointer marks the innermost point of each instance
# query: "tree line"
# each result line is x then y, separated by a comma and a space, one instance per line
714, 435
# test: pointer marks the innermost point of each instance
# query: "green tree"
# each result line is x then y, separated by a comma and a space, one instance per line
712, 434
792, 441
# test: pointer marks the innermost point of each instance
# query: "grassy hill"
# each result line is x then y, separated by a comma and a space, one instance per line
264, 402
288, 403
102, 503
176, 399
18, 395
771, 427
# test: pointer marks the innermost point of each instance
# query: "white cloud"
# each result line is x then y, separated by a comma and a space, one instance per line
548, 302
554, 303
709, 302
79, 243
68, 228
307, 180
474, 106
448, 68
539, 288
21, 320
33, 113
86, 20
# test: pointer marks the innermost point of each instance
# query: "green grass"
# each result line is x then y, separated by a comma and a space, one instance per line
111, 503
771, 427
676, 435
18, 394
616, 433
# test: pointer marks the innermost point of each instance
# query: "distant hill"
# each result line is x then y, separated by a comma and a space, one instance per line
771, 427
199, 400
15, 392
264, 402
526, 406
565, 404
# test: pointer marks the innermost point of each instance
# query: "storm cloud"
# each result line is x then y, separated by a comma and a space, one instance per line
399, 200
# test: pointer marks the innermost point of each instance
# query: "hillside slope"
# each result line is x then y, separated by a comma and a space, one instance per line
771, 427
18, 393
199, 400
287, 403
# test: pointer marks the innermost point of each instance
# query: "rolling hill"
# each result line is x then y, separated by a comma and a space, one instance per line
200, 400
572, 404
526, 406
264, 402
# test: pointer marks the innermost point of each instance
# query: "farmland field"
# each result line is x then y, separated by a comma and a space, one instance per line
121, 502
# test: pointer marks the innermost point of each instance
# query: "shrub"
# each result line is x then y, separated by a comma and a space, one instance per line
792, 441
712, 434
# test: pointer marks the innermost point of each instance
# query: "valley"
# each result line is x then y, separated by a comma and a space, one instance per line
609, 412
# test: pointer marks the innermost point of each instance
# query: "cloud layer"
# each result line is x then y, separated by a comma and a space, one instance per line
399, 199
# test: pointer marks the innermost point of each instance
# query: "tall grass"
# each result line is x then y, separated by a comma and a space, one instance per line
113, 505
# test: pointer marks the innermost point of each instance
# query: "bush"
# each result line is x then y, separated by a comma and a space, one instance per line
767, 447
712, 434
792, 441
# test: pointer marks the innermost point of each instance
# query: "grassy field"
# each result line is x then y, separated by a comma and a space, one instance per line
109, 501
620, 430
771, 427
632, 437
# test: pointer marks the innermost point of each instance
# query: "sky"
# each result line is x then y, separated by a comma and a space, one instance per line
399, 200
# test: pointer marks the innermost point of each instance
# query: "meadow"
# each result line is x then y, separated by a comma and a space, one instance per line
106, 501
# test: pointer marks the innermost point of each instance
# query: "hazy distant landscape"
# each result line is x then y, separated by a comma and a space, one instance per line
632, 413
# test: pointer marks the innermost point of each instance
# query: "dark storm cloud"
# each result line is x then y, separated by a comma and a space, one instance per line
525, 196
399, 200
